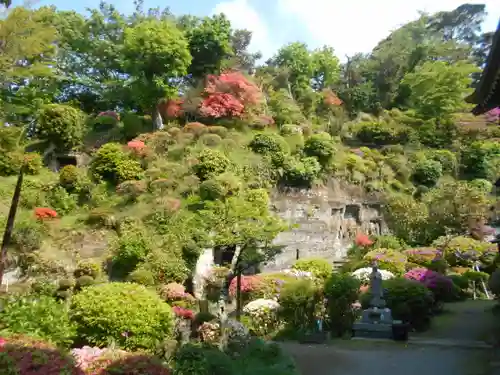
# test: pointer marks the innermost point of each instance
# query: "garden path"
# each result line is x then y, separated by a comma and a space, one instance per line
446, 349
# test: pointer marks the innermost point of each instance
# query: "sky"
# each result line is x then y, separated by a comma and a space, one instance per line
349, 26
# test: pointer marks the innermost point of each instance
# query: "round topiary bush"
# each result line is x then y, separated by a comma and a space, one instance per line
320, 268
88, 268
387, 259
210, 164
320, 146
33, 163
60, 124
131, 315
112, 164
23, 355
68, 177
268, 144
211, 190
210, 140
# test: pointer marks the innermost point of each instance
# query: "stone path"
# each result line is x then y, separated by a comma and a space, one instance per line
447, 349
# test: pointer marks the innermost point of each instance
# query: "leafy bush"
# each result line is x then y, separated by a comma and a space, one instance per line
61, 125
129, 314
88, 268
23, 355
263, 314
465, 251
494, 282
409, 300
61, 201
33, 163
210, 140
129, 250
318, 267
267, 144
112, 164
424, 256
387, 259
301, 173
341, 291
298, 300
130, 364
221, 131
211, 190
380, 133
166, 267
210, 164
202, 360
68, 177
320, 146
10, 163
388, 242
427, 172
142, 276
40, 316
84, 281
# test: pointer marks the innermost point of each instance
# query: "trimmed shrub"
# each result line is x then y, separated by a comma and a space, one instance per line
301, 173
211, 190
341, 291
464, 251
210, 140
320, 147
320, 268
61, 125
131, 315
202, 360
84, 281
131, 364
210, 164
40, 316
142, 276
427, 173
267, 144
299, 300
387, 259
33, 163
112, 164
23, 355
68, 177
409, 300
87, 268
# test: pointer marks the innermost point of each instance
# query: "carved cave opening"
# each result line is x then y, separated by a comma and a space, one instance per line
223, 255
353, 211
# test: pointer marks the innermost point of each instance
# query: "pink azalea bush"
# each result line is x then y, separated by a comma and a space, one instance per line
440, 285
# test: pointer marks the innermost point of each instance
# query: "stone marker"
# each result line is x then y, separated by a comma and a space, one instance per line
376, 321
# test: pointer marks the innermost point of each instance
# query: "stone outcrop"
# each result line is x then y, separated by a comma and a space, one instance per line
323, 223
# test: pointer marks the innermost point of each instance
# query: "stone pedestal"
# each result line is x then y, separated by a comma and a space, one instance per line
375, 322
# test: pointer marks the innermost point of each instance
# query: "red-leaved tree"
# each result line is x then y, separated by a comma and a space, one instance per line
230, 94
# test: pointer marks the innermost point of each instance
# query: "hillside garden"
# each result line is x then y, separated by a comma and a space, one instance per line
144, 139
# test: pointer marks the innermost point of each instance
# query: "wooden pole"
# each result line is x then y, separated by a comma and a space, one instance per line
238, 294
10, 223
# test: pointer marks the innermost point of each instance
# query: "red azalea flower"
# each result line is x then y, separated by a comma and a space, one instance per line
363, 240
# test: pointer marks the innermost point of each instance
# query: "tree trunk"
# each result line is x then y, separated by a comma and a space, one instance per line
238, 294
157, 119
10, 223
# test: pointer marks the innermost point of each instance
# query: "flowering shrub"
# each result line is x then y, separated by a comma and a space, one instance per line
363, 274
440, 285
298, 273
248, 285
196, 128
87, 356
136, 145
172, 108
183, 313
264, 315
23, 355
209, 332
465, 251
387, 259
423, 255
173, 292
42, 213
362, 240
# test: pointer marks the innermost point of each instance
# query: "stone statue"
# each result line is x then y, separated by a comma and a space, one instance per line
376, 288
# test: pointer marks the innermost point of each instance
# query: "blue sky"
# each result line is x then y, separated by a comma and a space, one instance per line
349, 26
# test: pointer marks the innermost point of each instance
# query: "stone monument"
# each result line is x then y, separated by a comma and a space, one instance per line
376, 321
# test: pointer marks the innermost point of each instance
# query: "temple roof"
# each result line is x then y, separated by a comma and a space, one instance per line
487, 93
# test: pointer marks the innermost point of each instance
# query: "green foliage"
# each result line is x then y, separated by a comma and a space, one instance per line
481, 160
88, 268
68, 177
112, 164
387, 259
202, 360
211, 190
320, 146
33, 163
427, 172
341, 291
211, 163
298, 301
60, 125
409, 301
142, 276
379, 133
129, 250
318, 267
129, 314
268, 144
301, 173
39, 316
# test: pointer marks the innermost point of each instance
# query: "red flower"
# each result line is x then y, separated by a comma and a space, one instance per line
363, 240
45, 213
2, 342
172, 108
183, 313
330, 98
136, 145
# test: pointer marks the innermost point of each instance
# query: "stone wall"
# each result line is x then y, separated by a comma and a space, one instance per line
323, 223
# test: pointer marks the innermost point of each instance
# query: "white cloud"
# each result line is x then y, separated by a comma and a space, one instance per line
358, 25
243, 16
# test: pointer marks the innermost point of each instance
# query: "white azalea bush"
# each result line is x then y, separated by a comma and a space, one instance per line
363, 274
298, 273
263, 315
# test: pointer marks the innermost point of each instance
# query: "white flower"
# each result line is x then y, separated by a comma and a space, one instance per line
261, 304
363, 274
297, 273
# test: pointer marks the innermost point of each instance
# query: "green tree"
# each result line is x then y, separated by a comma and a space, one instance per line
156, 52
438, 88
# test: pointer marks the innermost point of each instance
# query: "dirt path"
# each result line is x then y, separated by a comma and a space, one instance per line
463, 322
